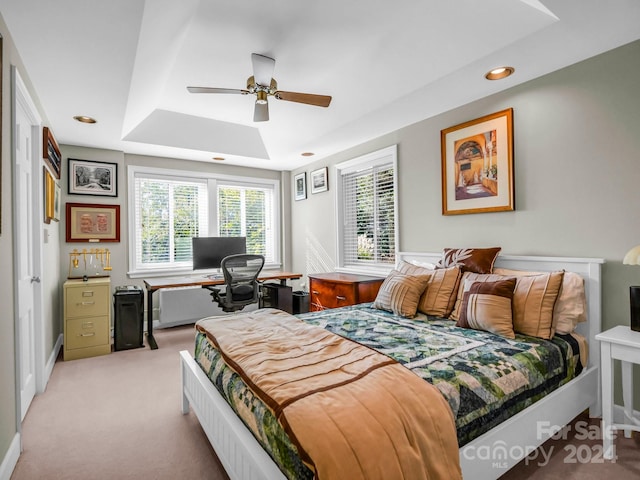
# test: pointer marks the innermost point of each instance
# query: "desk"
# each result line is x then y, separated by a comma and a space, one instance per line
623, 344
154, 284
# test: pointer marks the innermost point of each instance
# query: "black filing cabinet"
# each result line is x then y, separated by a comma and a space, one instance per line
128, 303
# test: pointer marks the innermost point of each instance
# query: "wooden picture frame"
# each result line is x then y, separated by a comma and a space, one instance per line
88, 177
49, 195
51, 152
88, 222
300, 186
477, 165
320, 180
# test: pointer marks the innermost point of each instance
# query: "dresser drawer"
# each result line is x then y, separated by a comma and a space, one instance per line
87, 300
83, 332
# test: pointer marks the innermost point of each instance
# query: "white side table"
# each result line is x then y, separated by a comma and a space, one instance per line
623, 344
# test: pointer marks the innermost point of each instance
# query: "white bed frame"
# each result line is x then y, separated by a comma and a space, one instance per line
488, 456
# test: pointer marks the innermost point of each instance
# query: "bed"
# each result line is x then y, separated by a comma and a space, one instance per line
487, 455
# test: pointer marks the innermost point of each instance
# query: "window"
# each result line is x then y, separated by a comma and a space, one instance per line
243, 212
367, 211
168, 208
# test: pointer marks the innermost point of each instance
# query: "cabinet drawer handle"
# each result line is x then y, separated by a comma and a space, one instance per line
340, 297
91, 334
84, 304
315, 292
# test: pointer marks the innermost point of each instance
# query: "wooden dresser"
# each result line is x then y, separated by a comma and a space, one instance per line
332, 290
87, 318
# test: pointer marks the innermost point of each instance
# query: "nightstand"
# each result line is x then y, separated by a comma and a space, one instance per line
618, 343
332, 290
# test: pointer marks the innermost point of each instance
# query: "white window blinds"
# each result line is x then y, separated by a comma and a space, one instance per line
168, 212
368, 210
248, 211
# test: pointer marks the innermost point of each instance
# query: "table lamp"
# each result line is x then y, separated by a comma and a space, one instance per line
633, 258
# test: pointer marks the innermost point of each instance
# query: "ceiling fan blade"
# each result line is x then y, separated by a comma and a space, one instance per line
308, 98
216, 90
262, 69
261, 112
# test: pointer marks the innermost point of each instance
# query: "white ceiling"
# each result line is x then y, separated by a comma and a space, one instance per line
387, 64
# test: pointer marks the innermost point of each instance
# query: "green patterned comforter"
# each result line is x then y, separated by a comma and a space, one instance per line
484, 377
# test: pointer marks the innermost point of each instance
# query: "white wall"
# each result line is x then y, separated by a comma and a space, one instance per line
577, 171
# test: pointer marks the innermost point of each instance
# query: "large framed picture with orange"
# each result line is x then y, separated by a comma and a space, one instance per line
477, 165
88, 222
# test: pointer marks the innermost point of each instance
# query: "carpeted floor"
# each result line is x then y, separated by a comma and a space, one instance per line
118, 417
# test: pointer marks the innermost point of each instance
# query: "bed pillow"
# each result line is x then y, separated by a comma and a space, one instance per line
440, 295
488, 306
477, 260
571, 305
400, 293
534, 299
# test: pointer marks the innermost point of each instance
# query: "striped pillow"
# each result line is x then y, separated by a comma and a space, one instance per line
442, 290
400, 293
487, 306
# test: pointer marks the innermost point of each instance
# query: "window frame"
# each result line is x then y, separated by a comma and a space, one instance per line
212, 180
380, 157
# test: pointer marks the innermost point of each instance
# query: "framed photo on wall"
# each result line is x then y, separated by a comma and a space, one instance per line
477, 165
300, 186
49, 196
87, 177
87, 222
51, 152
319, 180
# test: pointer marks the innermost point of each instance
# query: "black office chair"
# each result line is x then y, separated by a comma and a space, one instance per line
241, 282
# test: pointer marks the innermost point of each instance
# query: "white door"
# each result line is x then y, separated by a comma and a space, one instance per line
26, 141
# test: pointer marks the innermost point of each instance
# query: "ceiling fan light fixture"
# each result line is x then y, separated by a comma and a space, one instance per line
499, 73
261, 97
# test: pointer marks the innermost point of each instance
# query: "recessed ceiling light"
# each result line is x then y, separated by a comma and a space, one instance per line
499, 73
84, 119
219, 159
307, 154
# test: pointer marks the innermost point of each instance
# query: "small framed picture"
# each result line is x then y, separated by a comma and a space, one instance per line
319, 180
300, 186
87, 177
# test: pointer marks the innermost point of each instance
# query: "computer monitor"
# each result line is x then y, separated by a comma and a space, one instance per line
208, 252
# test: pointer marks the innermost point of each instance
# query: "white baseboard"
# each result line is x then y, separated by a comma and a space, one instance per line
48, 368
10, 459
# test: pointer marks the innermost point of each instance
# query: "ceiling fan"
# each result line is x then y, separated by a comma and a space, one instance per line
263, 85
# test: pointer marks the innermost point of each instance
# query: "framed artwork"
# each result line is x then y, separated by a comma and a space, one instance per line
300, 186
319, 180
51, 152
87, 222
56, 202
477, 165
87, 177
49, 196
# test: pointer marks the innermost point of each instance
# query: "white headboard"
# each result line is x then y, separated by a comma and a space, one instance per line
588, 268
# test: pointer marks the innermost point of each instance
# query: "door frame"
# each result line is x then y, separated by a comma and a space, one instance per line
20, 95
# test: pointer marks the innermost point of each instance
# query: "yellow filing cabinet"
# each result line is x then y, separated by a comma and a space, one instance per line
87, 318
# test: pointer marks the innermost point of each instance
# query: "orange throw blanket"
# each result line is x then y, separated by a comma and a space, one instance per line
351, 412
